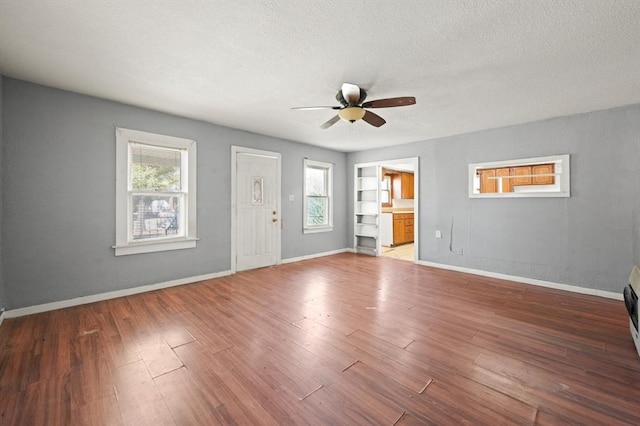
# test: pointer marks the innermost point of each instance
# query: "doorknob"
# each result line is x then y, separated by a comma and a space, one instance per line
274, 212
275, 219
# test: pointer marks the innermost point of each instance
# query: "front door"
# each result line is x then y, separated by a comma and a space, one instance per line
257, 210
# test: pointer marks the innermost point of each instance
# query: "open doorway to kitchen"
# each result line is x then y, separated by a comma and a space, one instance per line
398, 219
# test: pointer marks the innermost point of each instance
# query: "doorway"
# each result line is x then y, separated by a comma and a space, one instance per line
386, 214
398, 218
255, 205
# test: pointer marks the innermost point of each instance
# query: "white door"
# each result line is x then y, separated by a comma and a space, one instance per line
257, 224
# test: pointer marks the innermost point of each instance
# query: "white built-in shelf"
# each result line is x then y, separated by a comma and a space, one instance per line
366, 209
368, 183
365, 248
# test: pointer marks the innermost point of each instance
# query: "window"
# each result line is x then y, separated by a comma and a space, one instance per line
318, 191
155, 192
386, 191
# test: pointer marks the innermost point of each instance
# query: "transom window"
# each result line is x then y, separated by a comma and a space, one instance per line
155, 205
318, 191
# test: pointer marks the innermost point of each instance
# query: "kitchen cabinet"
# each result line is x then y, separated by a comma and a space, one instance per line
543, 169
487, 184
402, 184
396, 185
407, 185
402, 228
522, 175
507, 185
538, 174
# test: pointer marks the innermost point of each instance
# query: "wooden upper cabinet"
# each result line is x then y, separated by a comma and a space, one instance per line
488, 185
402, 184
524, 172
516, 176
543, 169
396, 183
407, 185
507, 185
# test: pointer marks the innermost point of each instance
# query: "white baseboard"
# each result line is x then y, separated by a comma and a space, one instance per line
532, 281
313, 256
36, 309
14, 313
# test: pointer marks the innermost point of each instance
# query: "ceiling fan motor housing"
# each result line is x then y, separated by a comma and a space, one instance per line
340, 98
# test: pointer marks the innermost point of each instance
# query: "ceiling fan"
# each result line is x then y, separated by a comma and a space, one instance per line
352, 97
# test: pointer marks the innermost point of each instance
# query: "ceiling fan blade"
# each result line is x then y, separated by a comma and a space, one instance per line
331, 122
391, 102
316, 107
351, 93
373, 119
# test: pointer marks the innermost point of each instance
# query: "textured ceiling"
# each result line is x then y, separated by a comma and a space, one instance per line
471, 65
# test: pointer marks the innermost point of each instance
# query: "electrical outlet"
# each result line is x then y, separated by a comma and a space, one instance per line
438, 234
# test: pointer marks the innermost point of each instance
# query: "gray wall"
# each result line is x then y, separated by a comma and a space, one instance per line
59, 192
3, 296
590, 240
57, 189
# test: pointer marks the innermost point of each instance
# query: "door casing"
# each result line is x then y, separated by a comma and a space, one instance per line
235, 150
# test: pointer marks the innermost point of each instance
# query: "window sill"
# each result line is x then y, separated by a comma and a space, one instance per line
317, 230
155, 246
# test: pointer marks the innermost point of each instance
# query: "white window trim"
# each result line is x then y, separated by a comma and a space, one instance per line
310, 229
124, 246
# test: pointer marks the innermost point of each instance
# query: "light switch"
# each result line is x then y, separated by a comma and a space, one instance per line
291, 197
438, 234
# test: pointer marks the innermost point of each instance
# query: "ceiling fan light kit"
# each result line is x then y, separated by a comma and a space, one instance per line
353, 109
351, 114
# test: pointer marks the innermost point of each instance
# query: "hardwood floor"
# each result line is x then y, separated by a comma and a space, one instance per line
345, 339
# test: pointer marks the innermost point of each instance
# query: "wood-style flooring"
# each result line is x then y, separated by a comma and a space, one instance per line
340, 340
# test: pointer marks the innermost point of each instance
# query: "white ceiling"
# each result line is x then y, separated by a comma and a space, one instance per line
471, 65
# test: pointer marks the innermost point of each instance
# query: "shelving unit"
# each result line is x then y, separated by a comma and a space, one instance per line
367, 205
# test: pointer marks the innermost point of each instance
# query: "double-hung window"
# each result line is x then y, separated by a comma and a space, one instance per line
318, 192
155, 192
